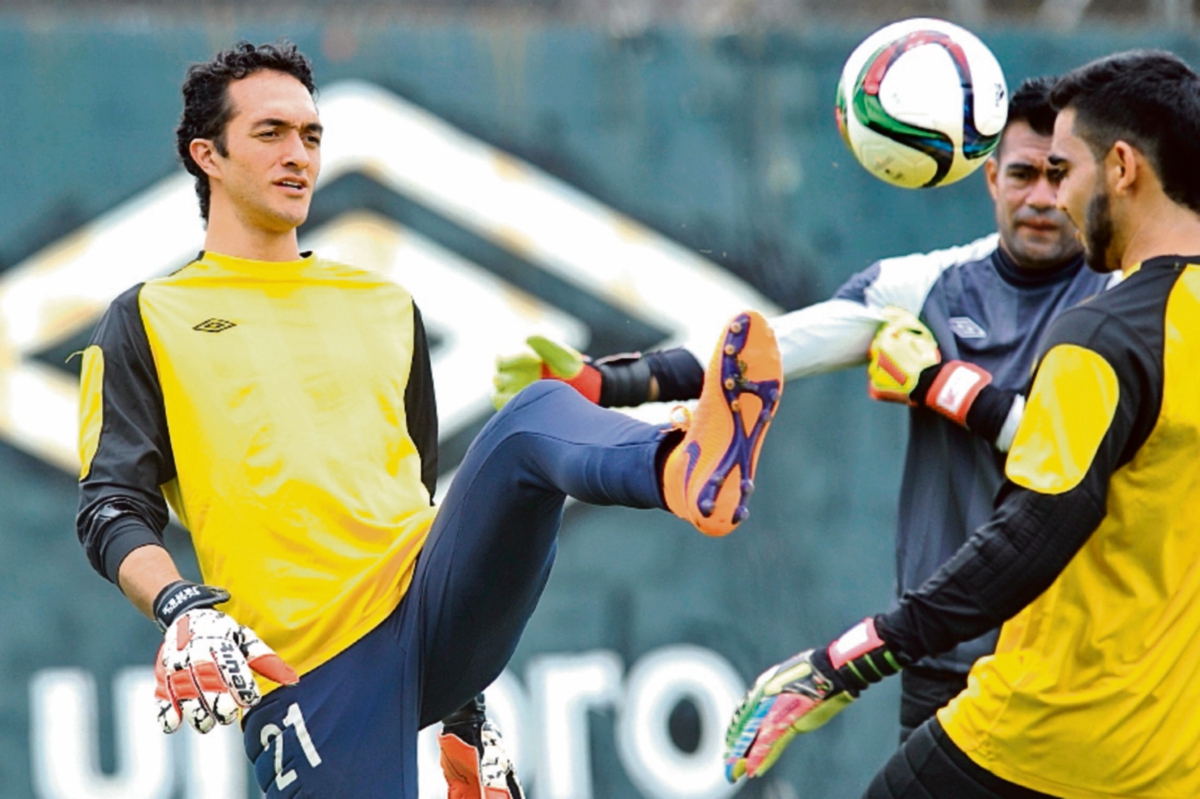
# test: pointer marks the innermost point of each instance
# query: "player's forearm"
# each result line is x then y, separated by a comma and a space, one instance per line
830, 335
144, 573
994, 416
1003, 566
661, 376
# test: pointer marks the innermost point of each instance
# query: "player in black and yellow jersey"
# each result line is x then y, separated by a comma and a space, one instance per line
1092, 557
283, 405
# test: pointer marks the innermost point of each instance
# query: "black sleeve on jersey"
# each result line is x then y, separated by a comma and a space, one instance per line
420, 405
1031, 537
121, 506
625, 379
989, 412
680, 376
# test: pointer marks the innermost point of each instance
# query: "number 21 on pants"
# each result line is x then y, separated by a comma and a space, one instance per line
271, 734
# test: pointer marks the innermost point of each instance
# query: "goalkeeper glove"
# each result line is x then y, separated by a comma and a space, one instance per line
902, 348
473, 759
203, 668
548, 360
906, 366
801, 694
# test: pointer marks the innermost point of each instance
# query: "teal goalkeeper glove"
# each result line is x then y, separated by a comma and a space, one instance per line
549, 360
801, 694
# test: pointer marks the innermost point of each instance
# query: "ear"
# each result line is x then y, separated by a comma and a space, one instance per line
204, 153
991, 170
1123, 166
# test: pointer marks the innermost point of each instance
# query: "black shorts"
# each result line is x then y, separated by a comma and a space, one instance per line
929, 766
922, 692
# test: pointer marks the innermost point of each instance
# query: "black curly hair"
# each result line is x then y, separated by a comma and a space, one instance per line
1148, 98
206, 108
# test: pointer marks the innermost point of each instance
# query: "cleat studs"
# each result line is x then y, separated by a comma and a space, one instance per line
730, 384
735, 406
774, 395
740, 514
706, 506
735, 328
765, 415
747, 486
730, 349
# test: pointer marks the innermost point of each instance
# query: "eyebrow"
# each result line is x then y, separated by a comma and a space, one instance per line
271, 122
1056, 160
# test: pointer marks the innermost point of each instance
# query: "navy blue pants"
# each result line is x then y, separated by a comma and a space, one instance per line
349, 728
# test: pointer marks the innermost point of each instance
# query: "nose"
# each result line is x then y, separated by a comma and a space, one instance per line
295, 154
1043, 195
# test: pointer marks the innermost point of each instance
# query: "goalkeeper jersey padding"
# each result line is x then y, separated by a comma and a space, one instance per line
286, 411
1095, 685
984, 309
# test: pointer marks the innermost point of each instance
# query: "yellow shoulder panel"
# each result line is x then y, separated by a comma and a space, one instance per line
91, 407
1068, 412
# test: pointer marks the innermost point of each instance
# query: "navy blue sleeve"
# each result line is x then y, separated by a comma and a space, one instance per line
855, 289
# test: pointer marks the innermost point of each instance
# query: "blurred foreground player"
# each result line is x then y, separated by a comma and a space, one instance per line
284, 406
985, 305
1092, 556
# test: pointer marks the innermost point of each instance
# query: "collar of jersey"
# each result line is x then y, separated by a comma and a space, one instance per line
259, 269
1170, 261
1017, 276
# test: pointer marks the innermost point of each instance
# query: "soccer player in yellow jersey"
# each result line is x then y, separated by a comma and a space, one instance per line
283, 405
1092, 557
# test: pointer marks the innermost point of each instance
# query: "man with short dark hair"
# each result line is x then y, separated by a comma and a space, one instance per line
985, 304
283, 404
1091, 559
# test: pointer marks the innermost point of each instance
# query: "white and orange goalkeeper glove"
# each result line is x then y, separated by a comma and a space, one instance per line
474, 761
906, 366
204, 671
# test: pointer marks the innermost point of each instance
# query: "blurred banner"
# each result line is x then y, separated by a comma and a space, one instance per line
615, 192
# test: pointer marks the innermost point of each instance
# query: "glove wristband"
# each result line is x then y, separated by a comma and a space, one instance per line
588, 382
624, 384
860, 657
954, 389
473, 712
181, 596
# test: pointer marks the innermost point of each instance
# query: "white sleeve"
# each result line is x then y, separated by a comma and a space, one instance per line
906, 280
1004, 440
824, 337
837, 333
830, 335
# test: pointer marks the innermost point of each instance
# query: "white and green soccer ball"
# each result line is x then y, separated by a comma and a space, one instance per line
921, 103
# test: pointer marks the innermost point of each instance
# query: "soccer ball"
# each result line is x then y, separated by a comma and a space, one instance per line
921, 103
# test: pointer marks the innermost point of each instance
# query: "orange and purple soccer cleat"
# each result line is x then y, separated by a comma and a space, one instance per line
710, 475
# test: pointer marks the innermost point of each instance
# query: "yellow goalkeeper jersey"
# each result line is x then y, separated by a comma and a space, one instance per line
286, 411
1094, 689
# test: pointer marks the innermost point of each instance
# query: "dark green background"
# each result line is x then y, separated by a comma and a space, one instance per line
724, 143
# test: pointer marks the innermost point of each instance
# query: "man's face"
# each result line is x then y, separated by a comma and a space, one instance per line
273, 146
1033, 231
1082, 193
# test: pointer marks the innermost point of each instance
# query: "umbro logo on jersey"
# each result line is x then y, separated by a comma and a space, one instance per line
214, 326
966, 327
